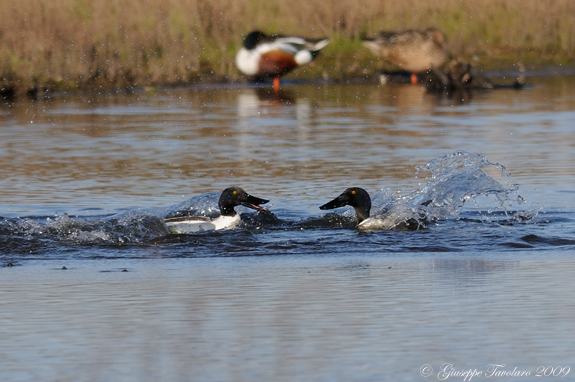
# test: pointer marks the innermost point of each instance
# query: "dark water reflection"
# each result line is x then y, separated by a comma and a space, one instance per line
286, 298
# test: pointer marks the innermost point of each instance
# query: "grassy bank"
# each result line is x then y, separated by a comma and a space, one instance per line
113, 43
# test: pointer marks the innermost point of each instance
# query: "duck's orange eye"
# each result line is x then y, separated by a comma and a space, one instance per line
353, 192
235, 192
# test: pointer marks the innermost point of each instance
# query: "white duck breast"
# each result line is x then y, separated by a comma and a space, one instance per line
191, 224
368, 224
248, 61
375, 224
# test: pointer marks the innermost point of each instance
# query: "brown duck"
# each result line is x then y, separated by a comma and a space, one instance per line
415, 51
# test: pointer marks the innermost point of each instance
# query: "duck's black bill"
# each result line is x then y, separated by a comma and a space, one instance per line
254, 203
340, 201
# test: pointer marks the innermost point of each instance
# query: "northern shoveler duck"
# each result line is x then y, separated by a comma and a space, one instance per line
356, 197
229, 218
273, 56
415, 51
395, 217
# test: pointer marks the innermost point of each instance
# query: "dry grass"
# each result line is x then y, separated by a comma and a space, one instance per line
110, 43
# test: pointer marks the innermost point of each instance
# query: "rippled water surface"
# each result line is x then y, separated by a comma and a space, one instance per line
477, 268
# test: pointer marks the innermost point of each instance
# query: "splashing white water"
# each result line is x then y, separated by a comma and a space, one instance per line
455, 179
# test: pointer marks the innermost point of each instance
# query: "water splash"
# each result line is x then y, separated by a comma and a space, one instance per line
201, 205
455, 179
126, 227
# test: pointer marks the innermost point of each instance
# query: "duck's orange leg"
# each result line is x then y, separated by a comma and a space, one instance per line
414, 79
277, 84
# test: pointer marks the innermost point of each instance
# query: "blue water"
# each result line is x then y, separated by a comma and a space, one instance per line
295, 293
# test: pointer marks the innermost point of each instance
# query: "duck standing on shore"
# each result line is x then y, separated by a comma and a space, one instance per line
263, 57
415, 51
